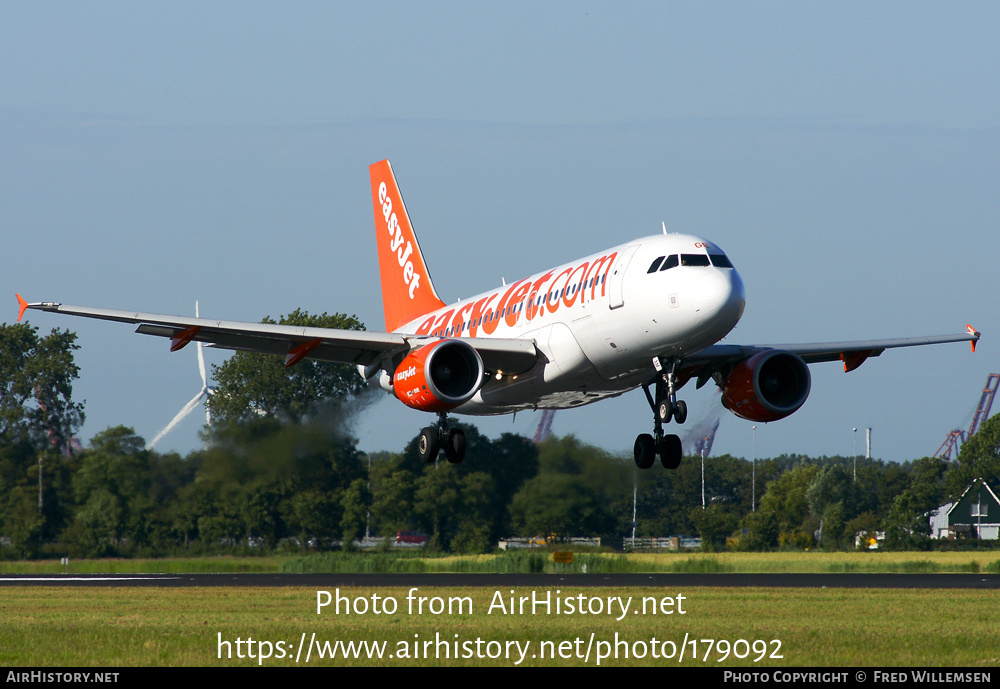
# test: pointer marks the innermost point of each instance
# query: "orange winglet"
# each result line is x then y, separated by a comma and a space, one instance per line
23, 306
300, 352
180, 339
972, 331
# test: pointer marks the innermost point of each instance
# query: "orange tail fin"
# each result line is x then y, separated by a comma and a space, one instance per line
407, 291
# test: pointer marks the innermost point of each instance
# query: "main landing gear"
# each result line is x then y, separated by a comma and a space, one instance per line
434, 438
665, 406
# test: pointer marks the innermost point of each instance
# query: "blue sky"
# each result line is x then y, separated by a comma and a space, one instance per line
843, 154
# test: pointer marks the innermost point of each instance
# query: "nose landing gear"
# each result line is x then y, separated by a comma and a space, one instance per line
665, 406
435, 438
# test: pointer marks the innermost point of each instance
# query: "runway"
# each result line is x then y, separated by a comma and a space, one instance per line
326, 581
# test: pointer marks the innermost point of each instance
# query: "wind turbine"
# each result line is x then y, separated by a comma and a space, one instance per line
203, 394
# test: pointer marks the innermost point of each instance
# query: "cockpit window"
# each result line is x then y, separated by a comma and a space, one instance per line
694, 260
720, 261
655, 265
671, 262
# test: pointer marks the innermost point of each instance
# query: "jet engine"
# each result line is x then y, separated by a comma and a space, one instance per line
439, 376
767, 386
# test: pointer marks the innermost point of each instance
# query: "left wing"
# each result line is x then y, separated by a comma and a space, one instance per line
767, 383
295, 343
718, 358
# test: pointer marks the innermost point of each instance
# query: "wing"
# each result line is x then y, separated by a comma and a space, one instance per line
718, 358
361, 347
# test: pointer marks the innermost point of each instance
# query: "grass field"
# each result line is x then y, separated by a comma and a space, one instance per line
124, 627
202, 565
525, 561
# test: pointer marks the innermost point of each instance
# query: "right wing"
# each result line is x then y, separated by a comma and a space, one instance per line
374, 350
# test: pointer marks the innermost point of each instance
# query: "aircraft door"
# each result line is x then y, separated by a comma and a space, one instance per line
617, 277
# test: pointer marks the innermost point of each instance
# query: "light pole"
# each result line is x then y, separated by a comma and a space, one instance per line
368, 512
854, 475
635, 497
702, 477
753, 474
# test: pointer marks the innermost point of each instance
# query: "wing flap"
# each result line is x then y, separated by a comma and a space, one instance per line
330, 349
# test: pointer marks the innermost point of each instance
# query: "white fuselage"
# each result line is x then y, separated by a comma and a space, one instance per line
598, 321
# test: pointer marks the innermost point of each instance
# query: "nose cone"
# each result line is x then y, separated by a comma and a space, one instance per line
719, 295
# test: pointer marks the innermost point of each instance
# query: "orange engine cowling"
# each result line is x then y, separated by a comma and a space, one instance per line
767, 386
438, 376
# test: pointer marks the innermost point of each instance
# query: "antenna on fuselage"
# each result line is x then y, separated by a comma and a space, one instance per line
664, 226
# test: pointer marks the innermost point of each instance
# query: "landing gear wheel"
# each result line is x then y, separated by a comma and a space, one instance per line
454, 448
680, 411
663, 412
429, 444
645, 451
671, 451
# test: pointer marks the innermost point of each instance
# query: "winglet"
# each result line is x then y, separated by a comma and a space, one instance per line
23, 307
975, 336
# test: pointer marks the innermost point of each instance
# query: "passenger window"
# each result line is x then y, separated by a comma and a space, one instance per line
656, 264
671, 262
694, 260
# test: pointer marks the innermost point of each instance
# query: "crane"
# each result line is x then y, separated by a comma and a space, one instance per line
957, 435
545, 425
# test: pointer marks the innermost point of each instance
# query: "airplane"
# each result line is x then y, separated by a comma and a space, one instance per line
649, 313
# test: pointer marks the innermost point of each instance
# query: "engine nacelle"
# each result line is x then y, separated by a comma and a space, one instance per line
767, 386
439, 376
